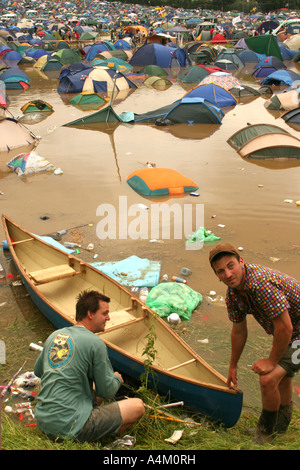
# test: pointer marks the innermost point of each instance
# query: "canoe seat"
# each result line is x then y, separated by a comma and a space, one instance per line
52, 274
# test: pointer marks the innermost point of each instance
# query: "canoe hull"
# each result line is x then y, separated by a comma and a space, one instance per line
217, 403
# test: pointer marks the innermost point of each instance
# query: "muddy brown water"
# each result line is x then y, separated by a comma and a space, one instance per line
247, 199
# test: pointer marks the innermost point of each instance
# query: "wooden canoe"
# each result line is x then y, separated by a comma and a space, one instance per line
53, 279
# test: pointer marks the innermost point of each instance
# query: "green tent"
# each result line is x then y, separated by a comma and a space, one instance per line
67, 56
264, 44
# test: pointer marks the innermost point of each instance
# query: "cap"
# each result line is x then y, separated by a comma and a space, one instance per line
222, 248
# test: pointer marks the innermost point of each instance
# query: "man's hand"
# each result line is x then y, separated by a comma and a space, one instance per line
232, 377
263, 366
119, 375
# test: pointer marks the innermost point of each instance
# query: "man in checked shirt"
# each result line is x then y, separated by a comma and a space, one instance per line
273, 298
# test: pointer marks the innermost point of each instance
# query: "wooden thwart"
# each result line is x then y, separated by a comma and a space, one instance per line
182, 364
52, 274
121, 325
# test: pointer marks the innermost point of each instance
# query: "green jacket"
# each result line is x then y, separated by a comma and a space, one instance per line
72, 360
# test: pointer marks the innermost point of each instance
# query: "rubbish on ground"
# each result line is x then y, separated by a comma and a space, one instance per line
58, 171
174, 318
35, 347
202, 235
126, 441
141, 272
143, 294
173, 297
175, 437
178, 279
186, 272
203, 341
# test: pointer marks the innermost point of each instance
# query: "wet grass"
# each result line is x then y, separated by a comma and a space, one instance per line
151, 431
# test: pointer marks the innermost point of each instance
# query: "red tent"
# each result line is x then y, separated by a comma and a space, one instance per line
218, 38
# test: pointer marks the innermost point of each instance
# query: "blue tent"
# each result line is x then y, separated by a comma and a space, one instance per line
122, 44
13, 77
157, 54
248, 56
72, 82
213, 93
281, 77
271, 61
36, 53
95, 49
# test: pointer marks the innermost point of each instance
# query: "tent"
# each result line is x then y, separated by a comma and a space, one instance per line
248, 56
88, 100
218, 38
48, 63
14, 78
192, 74
265, 141
160, 182
154, 70
213, 93
96, 79
231, 55
281, 77
35, 106
266, 44
67, 56
158, 83
226, 64
113, 63
187, 110
287, 101
106, 115
292, 116
95, 49
225, 80
14, 136
157, 54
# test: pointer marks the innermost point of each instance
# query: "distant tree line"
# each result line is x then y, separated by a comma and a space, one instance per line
246, 6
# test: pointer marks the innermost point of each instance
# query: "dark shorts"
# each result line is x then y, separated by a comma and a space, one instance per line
103, 420
290, 361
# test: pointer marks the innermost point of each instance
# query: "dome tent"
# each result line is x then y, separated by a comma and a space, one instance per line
160, 182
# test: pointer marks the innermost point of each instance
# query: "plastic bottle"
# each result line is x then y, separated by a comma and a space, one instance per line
143, 294
35, 347
178, 279
61, 232
71, 245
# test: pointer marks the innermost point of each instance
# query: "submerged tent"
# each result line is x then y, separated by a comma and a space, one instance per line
160, 182
287, 101
88, 100
292, 116
95, 79
192, 74
213, 93
281, 77
187, 110
35, 106
265, 141
157, 54
158, 83
225, 80
14, 136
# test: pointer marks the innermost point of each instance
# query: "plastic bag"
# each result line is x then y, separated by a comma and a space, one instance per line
172, 297
202, 235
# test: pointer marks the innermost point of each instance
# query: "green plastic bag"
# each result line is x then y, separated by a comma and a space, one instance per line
202, 236
173, 297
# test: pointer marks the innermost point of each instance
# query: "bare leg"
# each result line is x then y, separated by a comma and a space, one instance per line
273, 388
131, 410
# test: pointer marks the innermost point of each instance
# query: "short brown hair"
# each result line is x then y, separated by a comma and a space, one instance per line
88, 300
